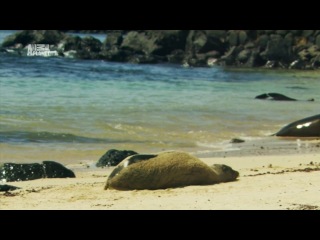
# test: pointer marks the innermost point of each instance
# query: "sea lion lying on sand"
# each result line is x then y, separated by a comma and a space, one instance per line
307, 127
166, 170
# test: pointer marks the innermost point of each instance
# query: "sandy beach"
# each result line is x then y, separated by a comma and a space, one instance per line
272, 181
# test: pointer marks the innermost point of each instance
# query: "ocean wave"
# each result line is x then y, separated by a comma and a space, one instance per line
49, 137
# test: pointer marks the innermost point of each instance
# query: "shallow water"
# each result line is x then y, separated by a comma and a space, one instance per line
73, 110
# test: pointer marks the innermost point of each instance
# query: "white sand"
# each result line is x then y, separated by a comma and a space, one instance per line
295, 189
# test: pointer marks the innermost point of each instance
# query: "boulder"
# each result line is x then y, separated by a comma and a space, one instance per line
113, 157
176, 56
29, 171
6, 188
70, 43
138, 43
307, 33
168, 40
203, 41
282, 32
277, 49
21, 172
154, 42
113, 39
262, 41
56, 170
233, 38
318, 40
244, 55
242, 37
25, 37
90, 48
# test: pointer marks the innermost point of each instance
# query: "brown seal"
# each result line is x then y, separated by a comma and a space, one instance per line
166, 170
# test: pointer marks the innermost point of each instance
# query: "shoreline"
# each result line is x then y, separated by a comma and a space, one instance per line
262, 146
269, 181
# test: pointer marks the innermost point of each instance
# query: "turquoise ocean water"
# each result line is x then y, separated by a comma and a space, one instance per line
72, 110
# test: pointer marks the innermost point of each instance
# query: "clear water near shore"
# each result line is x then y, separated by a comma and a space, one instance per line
72, 110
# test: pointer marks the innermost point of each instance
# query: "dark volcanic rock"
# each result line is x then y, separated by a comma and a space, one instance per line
293, 49
160, 43
176, 56
237, 140
113, 157
148, 46
21, 172
113, 39
85, 48
71, 43
90, 48
233, 38
34, 36
277, 49
201, 42
168, 40
139, 43
318, 40
56, 170
6, 188
30, 171
243, 37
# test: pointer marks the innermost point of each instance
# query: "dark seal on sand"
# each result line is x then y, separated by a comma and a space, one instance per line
307, 127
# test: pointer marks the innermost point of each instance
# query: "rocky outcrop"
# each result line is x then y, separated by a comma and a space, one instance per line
145, 47
29, 171
292, 49
23, 38
113, 157
65, 45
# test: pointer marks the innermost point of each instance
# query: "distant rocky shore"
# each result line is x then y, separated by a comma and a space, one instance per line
289, 49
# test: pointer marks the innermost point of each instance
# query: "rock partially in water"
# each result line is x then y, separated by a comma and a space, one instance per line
297, 49
26, 37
